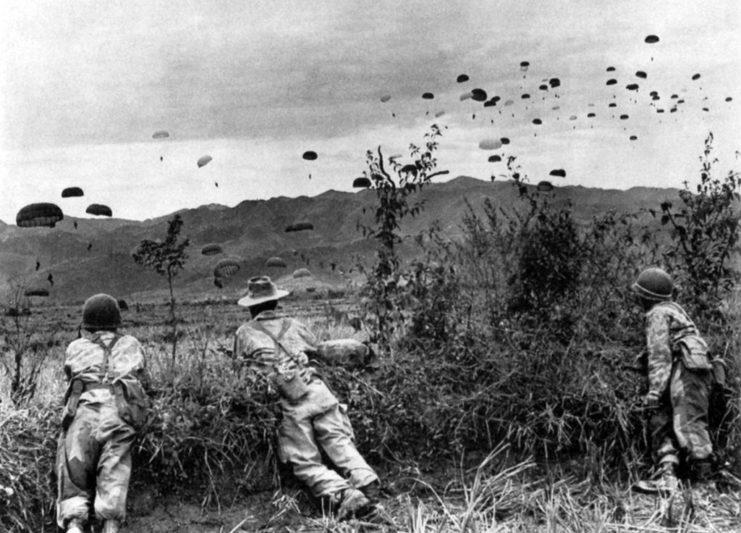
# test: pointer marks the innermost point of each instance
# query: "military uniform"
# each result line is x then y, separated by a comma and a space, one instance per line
313, 419
679, 377
104, 405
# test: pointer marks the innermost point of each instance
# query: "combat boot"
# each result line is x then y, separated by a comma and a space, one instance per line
353, 502
111, 526
701, 471
75, 526
664, 481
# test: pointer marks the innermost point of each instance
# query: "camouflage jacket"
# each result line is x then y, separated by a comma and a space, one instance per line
86, 360
276, 347
666, 325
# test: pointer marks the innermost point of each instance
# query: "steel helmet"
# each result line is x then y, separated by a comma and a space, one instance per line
101, 311
654, 284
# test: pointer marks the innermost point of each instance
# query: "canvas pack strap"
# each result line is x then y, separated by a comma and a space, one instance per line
276, 339
107, 349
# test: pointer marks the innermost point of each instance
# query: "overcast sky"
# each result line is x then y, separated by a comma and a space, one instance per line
84, 84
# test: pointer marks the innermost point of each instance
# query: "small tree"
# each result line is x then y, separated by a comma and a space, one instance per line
394, 189
167, 258
705, 231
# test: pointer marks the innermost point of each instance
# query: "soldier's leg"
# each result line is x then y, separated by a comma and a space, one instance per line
335, 435
297, 447
661, 434
77, 452
690, 402
114, 466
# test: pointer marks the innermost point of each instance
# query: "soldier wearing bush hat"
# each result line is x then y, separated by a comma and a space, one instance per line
277, 347
105, 404
679, 379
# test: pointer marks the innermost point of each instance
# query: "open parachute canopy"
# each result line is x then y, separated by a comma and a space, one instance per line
302, 273
558, 172
641, 74
226, 267
554, 82
478, 95
310, 155
302, 225
385, 98
99, 210
490, 144
545, 186
495, 158
71, 192
361, 183
203, 161
275, 262
651, 39
36, 291
462, 78
211, 249
428, 96
40, 214
160, 134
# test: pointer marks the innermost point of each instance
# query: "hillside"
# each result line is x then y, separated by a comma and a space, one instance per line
96, 255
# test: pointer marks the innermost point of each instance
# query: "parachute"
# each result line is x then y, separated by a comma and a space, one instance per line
495, 158
695, 77
490, 144
611, 81
302, 273
537, 121
385, 98
428, 96
651, 39
554, 82
71, 192
610, 69
545, 186
591, 115
37, 291
160, 134
226, 268
504, 140
99, 210
41, 214
509, 102
543, 87
203, 161
478, 95
573, 117
300, 226
525, 96
524, 65
729, 98
641, 74
633, 137
612, 104
439, 114
275, 262
558, 172
310, 155
624, 117
632, 86
462, 78
211, 249
361, 183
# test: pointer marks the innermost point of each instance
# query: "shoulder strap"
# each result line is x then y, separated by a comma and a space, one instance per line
276, 339
107, 349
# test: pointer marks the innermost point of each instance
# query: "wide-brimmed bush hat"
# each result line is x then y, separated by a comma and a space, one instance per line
261, 289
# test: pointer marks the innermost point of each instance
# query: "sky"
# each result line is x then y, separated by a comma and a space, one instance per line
254, 84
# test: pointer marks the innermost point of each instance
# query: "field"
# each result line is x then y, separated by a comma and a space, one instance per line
206, 463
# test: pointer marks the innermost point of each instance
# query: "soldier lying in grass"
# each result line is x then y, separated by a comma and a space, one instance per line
679, 373
313, 420
105, 404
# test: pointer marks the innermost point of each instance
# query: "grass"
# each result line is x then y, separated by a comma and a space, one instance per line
210, 442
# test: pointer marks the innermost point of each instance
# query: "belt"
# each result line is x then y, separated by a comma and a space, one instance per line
96, 386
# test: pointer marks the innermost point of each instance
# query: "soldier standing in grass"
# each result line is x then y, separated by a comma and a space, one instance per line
679, 382
313, 420
105, 404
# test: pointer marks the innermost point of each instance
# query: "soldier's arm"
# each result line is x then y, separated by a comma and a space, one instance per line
659, 356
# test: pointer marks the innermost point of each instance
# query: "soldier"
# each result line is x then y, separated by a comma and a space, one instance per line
105, 405
313, 420
679, 382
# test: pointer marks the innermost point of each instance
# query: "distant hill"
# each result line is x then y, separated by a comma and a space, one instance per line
96, 256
